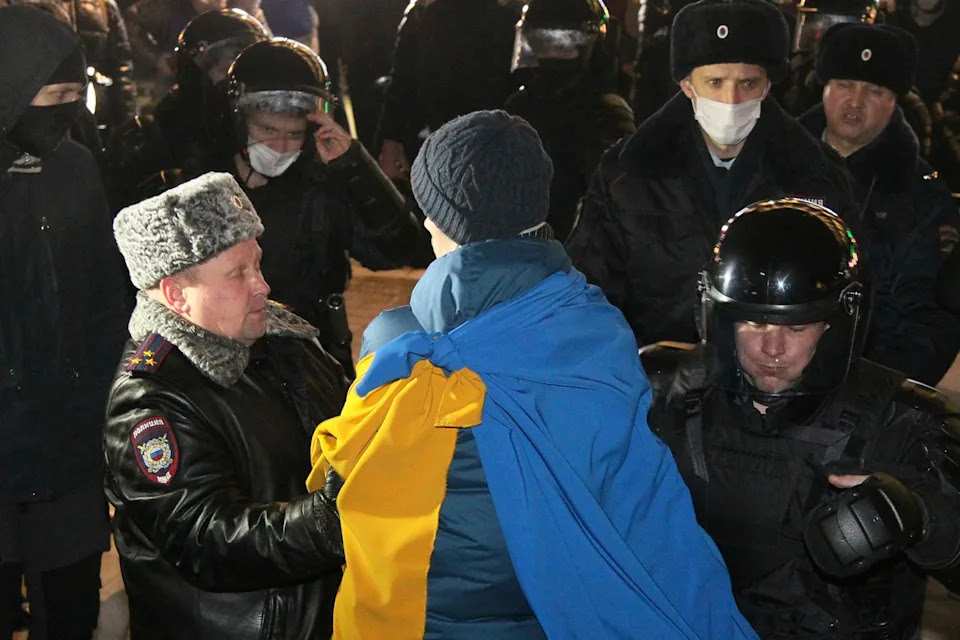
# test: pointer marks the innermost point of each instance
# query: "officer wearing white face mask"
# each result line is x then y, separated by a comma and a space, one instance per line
321, 197
659, 197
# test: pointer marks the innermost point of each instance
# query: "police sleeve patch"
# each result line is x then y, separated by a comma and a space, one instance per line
155, 447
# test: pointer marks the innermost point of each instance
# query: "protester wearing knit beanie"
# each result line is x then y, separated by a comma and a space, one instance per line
482, 176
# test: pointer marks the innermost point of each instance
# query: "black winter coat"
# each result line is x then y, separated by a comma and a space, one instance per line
316, 217
206, 468
63, 289
451, 57
905, 207
653, 212
575, 127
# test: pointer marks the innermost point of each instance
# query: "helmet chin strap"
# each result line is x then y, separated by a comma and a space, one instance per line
766, 398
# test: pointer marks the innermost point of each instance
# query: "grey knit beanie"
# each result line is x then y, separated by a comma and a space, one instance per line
483, 175
184, 226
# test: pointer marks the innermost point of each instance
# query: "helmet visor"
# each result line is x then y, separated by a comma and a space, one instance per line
286, 102
783, 350
531, 46
812, 26
223, 52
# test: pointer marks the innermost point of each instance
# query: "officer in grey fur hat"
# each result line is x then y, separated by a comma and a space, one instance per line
659, 197
208, 431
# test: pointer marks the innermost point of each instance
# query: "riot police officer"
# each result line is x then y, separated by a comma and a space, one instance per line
320, 195
191, 115
562, 60
188, 125
829, 483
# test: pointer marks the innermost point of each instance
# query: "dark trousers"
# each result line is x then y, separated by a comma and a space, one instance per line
64, 602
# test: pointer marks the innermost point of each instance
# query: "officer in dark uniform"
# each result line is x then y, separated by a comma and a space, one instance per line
568, 75
182, 136
909, 219
192, 113
829, 483
207, 433
321, 196
659, 196
800, 90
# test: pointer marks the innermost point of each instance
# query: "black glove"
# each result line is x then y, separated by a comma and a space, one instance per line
851, 532
332, 485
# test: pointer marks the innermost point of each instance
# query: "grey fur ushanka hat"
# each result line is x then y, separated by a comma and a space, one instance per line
183, 227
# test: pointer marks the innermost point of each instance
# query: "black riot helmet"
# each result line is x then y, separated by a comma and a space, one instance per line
281, 76
815, 17
559, 33
210, 42
785, 262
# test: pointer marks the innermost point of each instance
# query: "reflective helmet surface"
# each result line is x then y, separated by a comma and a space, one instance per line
558, 31
215, 38
281, 76
786, 262
815, 17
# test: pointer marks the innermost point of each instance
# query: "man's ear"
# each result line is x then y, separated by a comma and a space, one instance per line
687, 87
171, 291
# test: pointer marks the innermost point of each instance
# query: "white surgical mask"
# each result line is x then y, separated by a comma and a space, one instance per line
268, 162
726, 124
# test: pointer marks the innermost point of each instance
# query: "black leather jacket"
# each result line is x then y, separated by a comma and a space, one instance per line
207, 455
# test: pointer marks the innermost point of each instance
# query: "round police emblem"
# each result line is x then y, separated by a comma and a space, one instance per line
155, 448
723, 31
866, 54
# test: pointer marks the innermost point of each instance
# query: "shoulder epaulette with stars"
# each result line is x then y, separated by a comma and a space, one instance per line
150, 354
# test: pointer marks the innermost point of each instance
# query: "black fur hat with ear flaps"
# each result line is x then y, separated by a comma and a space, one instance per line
721, 31
879, 54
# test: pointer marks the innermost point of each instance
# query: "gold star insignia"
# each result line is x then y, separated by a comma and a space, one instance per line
148, 353
135, 360
151, 361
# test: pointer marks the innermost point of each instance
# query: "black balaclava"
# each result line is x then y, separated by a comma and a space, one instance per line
40, 130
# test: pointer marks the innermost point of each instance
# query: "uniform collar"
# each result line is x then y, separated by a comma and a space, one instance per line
221, 359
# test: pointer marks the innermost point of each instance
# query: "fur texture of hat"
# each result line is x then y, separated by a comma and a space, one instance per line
879, 54
722, 31
183, 227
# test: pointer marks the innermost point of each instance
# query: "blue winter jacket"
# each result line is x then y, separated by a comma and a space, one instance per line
564, 517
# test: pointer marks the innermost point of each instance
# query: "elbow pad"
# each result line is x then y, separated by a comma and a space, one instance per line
862, 525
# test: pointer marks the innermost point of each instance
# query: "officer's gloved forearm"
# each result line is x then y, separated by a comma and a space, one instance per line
939, 548
332, 485
377, 201
873, 521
